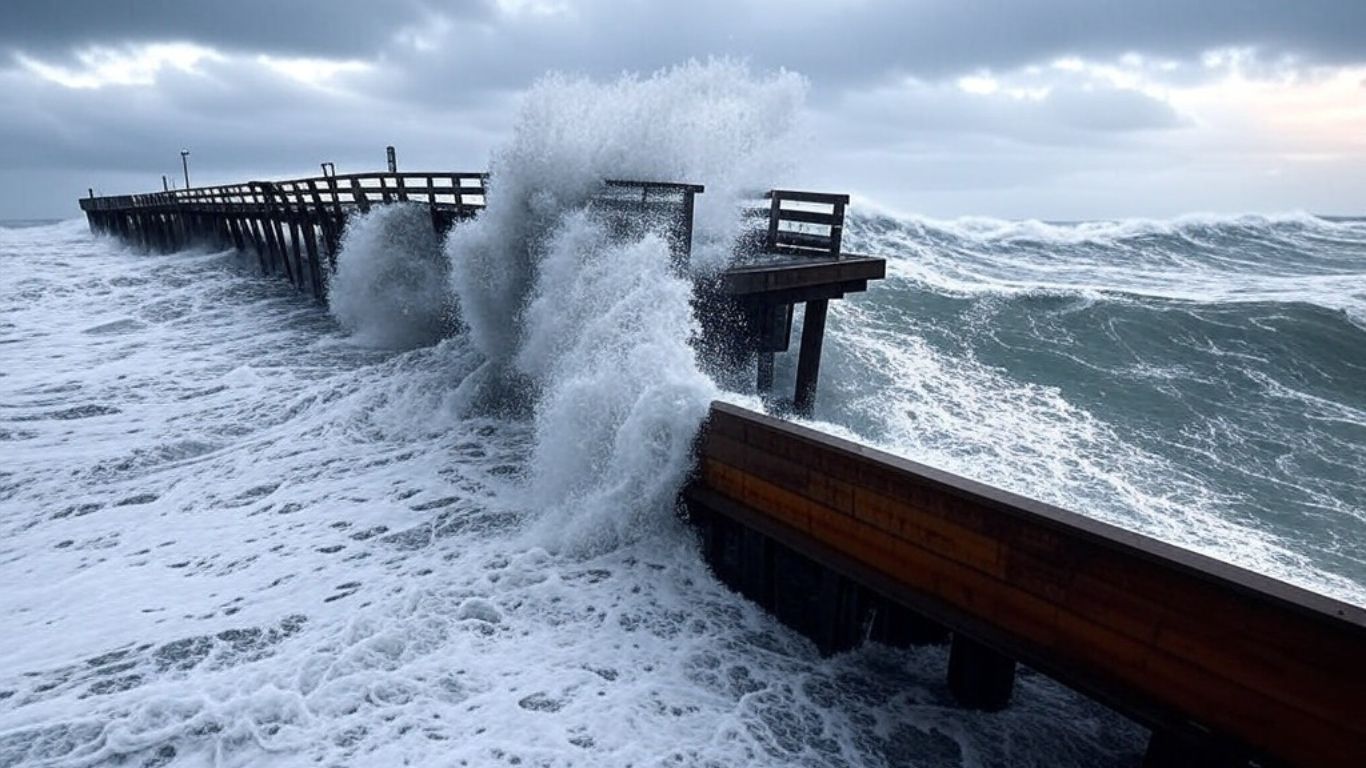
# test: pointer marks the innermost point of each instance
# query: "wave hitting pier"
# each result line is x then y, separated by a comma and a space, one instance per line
792, 256
848, 544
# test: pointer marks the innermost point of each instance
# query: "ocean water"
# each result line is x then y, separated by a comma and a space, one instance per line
432, 523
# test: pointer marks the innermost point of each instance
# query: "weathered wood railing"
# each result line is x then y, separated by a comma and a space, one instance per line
843, 541
293, 226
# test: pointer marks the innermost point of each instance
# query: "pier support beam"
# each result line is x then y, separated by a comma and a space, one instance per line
979, 677
764, 378
809, 363
1170, 749
315, 262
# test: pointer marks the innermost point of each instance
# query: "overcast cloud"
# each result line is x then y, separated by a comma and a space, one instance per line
1047, 109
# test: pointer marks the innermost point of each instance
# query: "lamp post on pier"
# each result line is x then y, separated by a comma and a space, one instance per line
185, 165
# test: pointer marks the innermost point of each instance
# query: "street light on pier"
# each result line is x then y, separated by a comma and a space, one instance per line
185, 165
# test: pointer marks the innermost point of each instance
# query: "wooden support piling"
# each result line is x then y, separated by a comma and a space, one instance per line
297, 248
979, 677
809, 361
275, 229
235, 232
258, 243
273, 245
764, 379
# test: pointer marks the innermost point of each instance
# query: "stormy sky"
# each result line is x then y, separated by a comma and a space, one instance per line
1051, 109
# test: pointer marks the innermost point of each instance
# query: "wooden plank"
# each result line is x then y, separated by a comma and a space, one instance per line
807, 197
809, 217
806, 240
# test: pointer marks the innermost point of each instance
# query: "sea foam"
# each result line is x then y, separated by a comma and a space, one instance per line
390, 286
597, 330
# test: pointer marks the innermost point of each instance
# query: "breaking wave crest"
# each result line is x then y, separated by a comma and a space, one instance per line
592, 329
390, 288
1286, 258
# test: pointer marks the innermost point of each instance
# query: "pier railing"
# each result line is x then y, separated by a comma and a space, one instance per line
790, 223
457, 192
294, 226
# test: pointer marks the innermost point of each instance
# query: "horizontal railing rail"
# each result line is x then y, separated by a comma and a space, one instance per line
788, 223
358, 190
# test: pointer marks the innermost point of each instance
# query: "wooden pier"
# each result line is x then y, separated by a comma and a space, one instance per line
846, 543
294, 228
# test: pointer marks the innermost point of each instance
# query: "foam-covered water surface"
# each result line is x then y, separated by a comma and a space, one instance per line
232, 535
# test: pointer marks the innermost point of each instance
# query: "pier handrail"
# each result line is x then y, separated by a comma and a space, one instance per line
440, 189
795, 223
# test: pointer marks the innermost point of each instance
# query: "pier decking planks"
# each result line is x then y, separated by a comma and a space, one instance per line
1186, 644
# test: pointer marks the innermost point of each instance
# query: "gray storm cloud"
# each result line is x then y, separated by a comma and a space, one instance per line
438, 80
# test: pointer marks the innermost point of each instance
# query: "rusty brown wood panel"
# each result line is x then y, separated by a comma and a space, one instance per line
1278, 668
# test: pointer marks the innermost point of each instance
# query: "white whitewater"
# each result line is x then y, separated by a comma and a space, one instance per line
596, 333
232, 536
389, 289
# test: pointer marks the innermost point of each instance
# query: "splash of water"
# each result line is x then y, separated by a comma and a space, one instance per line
712, 122
390, 288
598, 329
